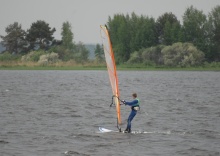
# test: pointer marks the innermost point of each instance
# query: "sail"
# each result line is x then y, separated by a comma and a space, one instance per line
110, 61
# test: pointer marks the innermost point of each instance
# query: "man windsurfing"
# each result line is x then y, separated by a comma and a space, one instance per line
135, 106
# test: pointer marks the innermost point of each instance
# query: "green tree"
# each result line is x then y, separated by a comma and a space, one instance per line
143, 32
99, 53
168, 29
67, 36
66, 50
214, 34
14, 41
120, 36
40, 34
172, 33
194, 27
129, 34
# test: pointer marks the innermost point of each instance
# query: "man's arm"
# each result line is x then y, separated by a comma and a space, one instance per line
134, 102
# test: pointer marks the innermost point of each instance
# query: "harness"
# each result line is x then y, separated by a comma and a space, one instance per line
137, 106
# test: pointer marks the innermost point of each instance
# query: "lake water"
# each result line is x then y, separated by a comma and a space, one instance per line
57, 113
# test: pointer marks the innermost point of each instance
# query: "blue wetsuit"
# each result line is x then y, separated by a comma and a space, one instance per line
133, 103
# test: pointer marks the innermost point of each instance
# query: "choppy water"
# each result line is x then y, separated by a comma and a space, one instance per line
57, 113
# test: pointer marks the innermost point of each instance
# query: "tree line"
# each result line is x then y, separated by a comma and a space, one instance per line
132, 37
38, 40
135, 39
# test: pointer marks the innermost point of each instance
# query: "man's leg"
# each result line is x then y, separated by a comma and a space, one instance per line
130, 118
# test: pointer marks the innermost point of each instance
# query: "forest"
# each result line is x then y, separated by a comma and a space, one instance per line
165, 41
136, 39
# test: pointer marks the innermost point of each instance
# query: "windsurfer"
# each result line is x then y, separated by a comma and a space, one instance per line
135, 106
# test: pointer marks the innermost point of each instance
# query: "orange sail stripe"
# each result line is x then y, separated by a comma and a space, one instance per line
110, 61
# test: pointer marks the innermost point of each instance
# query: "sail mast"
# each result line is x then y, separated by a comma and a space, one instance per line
112, 72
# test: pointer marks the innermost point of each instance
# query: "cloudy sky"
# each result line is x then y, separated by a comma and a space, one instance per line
85, 16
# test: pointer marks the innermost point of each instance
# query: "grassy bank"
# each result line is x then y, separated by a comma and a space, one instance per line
93, 66
51, 68
104, 68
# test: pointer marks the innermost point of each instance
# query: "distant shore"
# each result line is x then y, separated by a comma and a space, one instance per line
102, 67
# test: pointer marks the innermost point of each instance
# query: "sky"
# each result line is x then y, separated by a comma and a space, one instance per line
86, 16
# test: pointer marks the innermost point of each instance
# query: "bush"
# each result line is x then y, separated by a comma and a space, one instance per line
153, 55
135, 58
212, 64
6, 56
148, 56
33, 56
182, 55
48, 59
63, 53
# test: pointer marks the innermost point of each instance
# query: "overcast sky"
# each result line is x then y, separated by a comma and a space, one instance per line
85, 16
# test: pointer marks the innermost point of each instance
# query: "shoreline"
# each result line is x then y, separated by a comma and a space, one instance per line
119, 68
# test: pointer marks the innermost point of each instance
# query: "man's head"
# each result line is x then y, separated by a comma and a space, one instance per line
134, 95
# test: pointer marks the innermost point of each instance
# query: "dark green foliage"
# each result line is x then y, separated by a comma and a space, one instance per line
143, 32
40, 35
129, 34
119, 30
194, 27
67, 36
136, 39
214, 35
65, 50
168, 29
14, 41
7, 56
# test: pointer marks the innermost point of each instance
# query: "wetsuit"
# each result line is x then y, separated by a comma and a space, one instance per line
133, 104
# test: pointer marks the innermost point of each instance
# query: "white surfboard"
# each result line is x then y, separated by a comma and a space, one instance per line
105, 130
